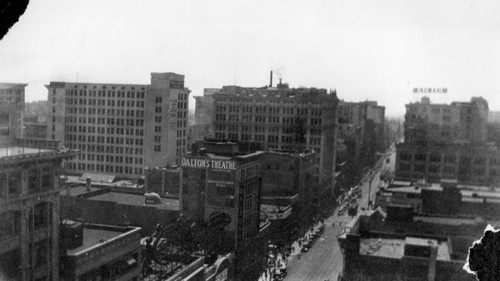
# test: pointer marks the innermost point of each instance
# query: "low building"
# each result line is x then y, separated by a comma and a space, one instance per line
100, 252
222, 269
116, 206
37, 130
164, 181
406, 249
446, 198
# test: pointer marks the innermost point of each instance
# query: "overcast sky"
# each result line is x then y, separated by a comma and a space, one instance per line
375, 50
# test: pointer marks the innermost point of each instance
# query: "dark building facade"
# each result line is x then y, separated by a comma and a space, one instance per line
380, 246
29, 212
100, 252
163, 181
219, 181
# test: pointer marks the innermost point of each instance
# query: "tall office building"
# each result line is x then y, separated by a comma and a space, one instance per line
448, 142
282, 117
11, 112
120, 128
368, 119
427, 123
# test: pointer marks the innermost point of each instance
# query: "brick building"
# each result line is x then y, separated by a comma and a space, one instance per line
120, 128
283, 118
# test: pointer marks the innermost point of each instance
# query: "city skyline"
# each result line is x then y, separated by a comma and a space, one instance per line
366, 51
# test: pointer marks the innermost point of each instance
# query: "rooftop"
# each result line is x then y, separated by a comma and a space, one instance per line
12, 85
17, 154
395, 248
76, 180
135, 200
95, 235
17, 150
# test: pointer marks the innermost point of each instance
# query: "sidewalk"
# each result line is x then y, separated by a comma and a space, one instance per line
295, 245
296, 250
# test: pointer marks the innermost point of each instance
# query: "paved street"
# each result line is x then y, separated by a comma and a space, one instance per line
324, 260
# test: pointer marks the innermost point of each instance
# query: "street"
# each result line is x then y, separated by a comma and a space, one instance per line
324, 260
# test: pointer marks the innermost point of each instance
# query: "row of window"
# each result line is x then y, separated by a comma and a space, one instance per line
91, 167
128, 149
39, 180
452, 159
262, 129
79, 103
110, 158
264, 119
103, 93
262, 109
99, 112
452, 170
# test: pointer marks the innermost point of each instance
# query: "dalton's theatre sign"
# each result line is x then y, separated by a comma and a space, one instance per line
203, 163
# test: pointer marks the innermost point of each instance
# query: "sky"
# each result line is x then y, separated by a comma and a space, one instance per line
366, 50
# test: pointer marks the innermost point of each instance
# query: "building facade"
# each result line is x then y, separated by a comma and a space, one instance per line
444, 141
220, 184
120, 128
406, 250
163, 181
100, 252
368, 128
427, 123
11, 111
283, 118
29, 212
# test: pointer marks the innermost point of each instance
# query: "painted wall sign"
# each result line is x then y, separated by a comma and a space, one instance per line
204, 163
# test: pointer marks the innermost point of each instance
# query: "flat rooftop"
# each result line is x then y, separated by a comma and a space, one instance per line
135, 199
18, 151
77, 190
394, 248
118, 183
93, 237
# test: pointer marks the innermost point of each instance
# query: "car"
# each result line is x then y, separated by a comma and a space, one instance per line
304, 249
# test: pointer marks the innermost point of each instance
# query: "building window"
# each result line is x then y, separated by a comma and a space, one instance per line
46, 178
42, 215
33, 180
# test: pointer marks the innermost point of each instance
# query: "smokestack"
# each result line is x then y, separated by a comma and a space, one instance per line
87, 183
271, 80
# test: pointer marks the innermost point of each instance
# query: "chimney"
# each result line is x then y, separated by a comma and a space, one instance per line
87, 183
271, 80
